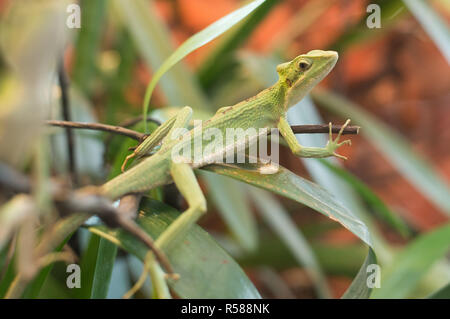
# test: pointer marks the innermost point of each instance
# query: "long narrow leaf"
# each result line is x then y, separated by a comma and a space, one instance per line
433, 24
196, 41
405, 272
278, 219
235, 212
153, 41
443, 293
290, 185
88, 43
220, 59
33, 289
371, 198
394, 147
336, 260
359, 288
205, 269
104, 264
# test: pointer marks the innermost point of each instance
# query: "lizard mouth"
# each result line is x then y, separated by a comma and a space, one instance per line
329, 59
330, 56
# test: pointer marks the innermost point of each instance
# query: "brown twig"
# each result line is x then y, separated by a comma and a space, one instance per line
65, 105
297, 129
323, 128
99, 127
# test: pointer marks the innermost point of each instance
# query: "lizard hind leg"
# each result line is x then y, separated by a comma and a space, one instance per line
187, 184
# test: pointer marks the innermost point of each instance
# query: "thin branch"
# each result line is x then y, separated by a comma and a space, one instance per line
99, 127
323, 128
297, 129
65, 105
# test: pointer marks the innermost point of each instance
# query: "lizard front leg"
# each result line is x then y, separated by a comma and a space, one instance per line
316, 152
179, 120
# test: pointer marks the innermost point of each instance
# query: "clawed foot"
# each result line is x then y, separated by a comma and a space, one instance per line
333, 145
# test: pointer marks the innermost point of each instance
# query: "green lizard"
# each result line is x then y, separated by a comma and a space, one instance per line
265, 110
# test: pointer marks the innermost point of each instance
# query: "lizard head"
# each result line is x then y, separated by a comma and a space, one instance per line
302, 73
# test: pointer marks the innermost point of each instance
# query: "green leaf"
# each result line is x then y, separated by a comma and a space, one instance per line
205, 269
371, 198
88, 260
8, 277
359, 288
278, 219
443, 293
336, 260
394, 147
118, 82
432, 23
400, 278
97, 265
103, 269
196, 41
88, 43
290, 185
218, 61
34, 288
153, 41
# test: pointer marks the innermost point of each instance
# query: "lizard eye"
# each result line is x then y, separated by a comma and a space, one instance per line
304, 65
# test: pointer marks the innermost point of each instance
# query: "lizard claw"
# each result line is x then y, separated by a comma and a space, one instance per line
340, 156
349, 142
333, 145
